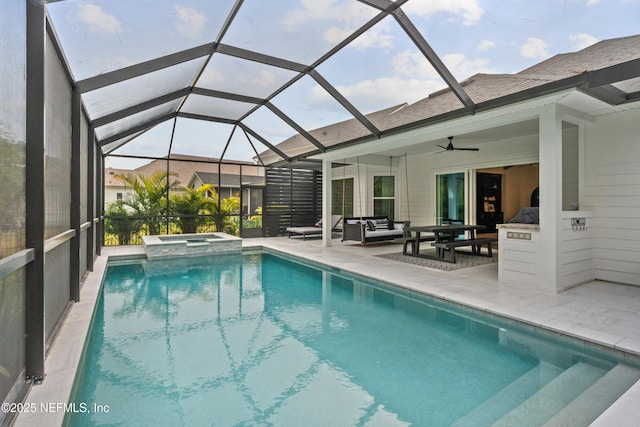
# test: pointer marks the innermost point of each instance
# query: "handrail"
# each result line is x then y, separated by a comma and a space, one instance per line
55, 241
15, 262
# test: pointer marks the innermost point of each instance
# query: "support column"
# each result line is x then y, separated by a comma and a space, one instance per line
91, 186
326, 203
550, 148
76, 115
34, 191
99, 200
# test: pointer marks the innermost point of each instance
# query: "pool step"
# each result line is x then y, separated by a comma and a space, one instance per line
550, 399
509, 397
597, 398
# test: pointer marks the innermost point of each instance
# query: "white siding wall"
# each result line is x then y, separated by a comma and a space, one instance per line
612, 193
111, 194
518, 262
576, 251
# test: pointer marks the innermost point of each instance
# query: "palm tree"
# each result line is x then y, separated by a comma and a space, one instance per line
149, 197
189, 207
227, 220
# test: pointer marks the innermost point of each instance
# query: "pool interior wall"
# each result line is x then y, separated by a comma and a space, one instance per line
392, 398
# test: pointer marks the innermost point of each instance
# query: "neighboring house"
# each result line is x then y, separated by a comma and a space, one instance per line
113, 186
185, 167
567, 129
229, 185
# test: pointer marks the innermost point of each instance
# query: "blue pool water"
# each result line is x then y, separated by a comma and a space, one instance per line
260, 340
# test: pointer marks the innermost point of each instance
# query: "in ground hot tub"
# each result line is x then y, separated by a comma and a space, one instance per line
174, 245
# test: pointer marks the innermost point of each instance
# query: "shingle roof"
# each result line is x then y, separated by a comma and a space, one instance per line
228, 180
111, 174
595, 57
480, 88
185, 167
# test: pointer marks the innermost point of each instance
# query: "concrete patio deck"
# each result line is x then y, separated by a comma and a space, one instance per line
605, 313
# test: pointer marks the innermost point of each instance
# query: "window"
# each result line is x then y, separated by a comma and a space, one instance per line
118, 196
384, 193
342, 190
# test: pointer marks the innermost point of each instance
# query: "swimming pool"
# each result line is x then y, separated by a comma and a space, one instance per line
262, 340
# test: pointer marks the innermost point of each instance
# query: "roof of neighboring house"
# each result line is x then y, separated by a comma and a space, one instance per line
481, 88
111, 174
185, 167
226, 179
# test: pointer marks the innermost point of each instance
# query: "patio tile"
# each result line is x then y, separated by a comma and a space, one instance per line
624, 412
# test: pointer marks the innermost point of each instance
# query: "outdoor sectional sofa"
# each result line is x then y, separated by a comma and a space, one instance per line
371, 229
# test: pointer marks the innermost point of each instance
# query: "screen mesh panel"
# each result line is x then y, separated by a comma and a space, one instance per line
56, 286
250, 78
134, 120
12, 127
128, 93
57, 145
12, 315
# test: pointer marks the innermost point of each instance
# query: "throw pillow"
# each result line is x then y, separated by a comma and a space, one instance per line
382, 224
371, 226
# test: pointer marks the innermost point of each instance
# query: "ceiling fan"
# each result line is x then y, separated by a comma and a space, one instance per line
450, 147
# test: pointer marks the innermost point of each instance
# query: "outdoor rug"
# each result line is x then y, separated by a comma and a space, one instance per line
462, 260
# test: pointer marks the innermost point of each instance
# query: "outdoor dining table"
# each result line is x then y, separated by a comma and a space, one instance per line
441, 233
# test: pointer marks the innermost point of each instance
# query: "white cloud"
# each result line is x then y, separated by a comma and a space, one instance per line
97, 19
462, 67
470, 10
376, 37
350, 14
189, 22
210, 77
416, 65
592, 2
485, 45
347, 17
534, 48
381, 93
414, 79
582, 40
264, 78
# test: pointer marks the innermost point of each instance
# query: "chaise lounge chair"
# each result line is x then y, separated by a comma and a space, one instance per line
314, 230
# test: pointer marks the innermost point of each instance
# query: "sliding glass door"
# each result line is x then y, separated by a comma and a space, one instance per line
451, 198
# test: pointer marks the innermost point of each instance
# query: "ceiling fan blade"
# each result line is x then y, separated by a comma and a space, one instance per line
467, 149
442, 146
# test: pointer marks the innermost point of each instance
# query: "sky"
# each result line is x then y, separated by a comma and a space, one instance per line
380, 69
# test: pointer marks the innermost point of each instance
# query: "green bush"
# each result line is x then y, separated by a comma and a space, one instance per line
119, 222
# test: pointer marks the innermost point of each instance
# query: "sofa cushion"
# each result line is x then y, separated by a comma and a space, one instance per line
382, 224
380, 233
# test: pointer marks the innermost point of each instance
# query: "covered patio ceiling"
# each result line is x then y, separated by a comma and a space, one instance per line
252, 79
